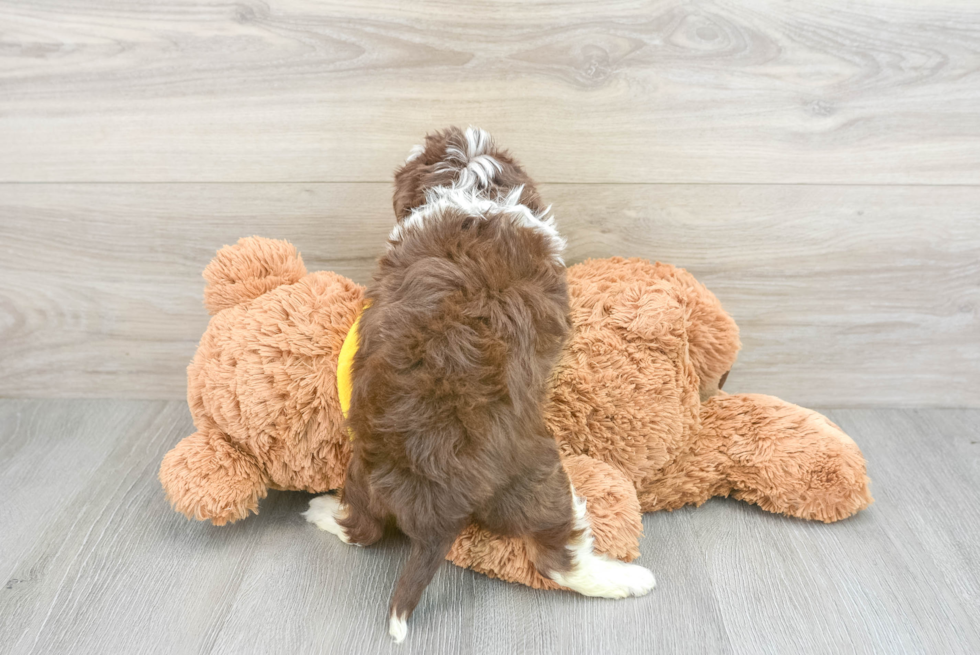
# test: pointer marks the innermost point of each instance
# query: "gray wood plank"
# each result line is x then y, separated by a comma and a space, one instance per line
93, 578
46, 458
846, 295
932, 511
682, 614
111, 569
623, 91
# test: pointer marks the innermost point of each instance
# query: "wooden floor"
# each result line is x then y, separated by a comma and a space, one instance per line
92, 560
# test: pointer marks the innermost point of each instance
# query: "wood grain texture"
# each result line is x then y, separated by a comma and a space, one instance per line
94, 561
752, 91
846, 295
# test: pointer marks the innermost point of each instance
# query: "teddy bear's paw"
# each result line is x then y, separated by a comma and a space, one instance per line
324, 512
598, 575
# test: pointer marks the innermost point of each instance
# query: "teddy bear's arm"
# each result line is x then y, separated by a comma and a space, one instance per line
207, 478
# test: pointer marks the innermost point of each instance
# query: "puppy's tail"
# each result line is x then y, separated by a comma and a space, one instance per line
427, 553
248, 269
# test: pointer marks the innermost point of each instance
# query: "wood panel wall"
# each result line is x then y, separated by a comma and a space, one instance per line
816, 164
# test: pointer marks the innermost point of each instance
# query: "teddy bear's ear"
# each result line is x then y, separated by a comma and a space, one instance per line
248, 269
711, 332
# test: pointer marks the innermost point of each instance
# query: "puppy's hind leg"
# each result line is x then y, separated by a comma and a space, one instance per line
587, 572
559, 536
355, 516
325, 512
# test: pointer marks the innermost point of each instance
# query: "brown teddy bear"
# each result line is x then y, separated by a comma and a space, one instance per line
636, 405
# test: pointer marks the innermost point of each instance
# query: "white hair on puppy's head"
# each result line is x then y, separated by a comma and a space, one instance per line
471, 171
441, 199
475, 168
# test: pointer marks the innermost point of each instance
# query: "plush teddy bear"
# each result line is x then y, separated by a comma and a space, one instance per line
636, 405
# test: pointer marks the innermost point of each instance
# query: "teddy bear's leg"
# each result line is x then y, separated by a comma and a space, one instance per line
208, 478
785, 458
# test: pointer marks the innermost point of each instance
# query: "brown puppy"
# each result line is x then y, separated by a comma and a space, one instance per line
468, 315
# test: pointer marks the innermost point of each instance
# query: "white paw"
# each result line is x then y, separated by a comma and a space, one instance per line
397, 628
598, 575
639, 579
324, 512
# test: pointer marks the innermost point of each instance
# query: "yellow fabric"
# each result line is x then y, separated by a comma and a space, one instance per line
345, 384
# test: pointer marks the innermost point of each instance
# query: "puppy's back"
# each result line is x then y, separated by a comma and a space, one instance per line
467, 317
